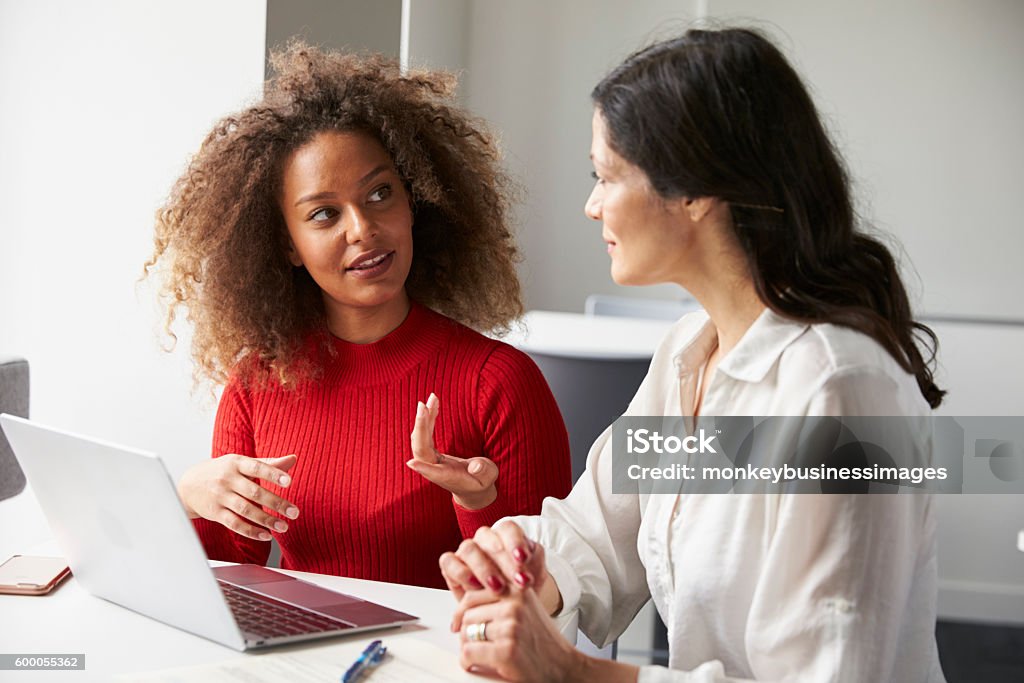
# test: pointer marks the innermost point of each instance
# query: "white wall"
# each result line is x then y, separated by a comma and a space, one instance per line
923, 96
102, 103
436, 34
354, 25
981, 570
531, 67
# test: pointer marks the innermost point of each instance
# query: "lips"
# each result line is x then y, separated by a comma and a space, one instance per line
368, 259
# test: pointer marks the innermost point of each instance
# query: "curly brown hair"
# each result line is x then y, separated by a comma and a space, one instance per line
225, 239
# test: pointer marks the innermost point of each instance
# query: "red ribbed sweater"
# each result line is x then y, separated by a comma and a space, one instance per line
362, 512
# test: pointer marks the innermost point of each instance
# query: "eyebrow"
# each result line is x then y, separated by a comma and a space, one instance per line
317, 196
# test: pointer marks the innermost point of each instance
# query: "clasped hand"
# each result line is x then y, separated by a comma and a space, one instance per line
499, 578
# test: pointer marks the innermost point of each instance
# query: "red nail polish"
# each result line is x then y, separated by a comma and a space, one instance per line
475, 583
522, 579
519, 554
495, 583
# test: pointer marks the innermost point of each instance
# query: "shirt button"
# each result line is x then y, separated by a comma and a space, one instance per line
843, 606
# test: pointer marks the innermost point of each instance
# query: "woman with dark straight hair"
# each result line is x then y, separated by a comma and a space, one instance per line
713, 171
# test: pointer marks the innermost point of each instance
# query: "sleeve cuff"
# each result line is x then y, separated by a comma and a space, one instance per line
568, 584
471, 520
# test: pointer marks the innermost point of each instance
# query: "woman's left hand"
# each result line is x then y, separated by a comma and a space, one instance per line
519, 641
470, 480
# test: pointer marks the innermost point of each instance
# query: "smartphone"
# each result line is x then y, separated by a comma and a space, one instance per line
32, 575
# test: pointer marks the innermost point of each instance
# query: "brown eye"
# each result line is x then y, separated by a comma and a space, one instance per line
381, 193
322, 215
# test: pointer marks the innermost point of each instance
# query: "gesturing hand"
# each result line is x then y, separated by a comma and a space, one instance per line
226, 490
470, 480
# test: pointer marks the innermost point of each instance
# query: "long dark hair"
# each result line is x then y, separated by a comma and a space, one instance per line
723, 114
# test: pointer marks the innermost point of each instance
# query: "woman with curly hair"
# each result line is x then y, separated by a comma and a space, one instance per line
333, 245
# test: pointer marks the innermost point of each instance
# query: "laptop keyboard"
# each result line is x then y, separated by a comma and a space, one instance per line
268, 618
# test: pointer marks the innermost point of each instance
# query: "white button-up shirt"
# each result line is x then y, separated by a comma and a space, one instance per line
757, 586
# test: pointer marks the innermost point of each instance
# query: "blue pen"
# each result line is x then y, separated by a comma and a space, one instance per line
372, 656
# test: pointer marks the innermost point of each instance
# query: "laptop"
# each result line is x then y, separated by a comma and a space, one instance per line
117, 518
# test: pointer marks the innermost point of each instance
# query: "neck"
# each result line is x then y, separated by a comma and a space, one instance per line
719, 279
366, 324
732, 313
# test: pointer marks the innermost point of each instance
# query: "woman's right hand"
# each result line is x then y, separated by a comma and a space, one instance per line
494, 559
227, 490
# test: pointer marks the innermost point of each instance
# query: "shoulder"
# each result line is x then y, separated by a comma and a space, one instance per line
850, 372
825, 350
487, 353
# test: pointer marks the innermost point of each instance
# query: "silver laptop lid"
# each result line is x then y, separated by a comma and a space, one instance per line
116, 515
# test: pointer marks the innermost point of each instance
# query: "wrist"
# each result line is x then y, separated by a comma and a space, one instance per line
577, 667
549, 595
188, 509
592, 670
477, 500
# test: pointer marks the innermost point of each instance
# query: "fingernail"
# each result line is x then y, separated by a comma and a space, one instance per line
453, 627
284, 480
519, 554
533, 546
495, 583
475, 583
280, 526
475, 468
522, 579
264, 536
292, 512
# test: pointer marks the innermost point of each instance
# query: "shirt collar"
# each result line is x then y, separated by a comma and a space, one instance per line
754, 355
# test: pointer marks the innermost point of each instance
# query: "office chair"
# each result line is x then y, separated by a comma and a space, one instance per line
13, 400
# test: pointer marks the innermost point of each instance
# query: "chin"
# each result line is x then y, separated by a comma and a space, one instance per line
623, 277
368, 297
627, 278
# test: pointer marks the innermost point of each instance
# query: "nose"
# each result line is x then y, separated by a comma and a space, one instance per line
359, 227
593, 206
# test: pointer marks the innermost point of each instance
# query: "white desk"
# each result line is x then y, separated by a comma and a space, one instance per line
117, 641
574, 335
